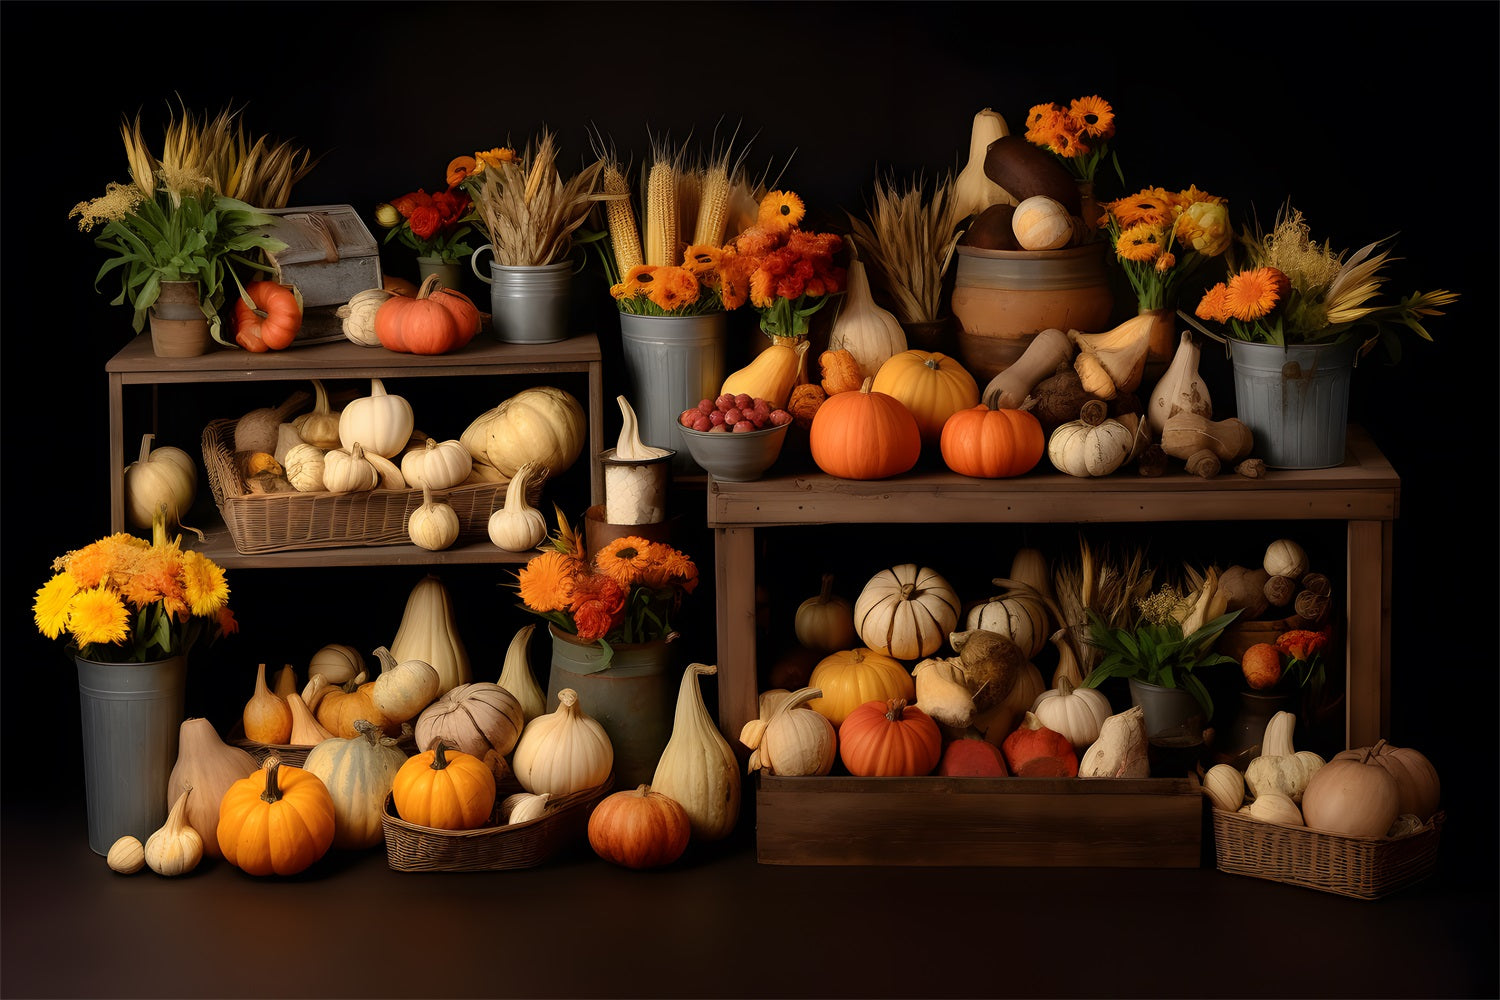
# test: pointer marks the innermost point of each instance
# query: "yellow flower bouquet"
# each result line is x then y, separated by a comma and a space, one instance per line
1161, 238
123, 599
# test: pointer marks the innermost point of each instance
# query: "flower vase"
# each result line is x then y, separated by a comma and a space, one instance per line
1088, 209
1162, 343
449, 272
630, 693
131, 713
178, 327
671, 363
1174, 727
1295, 400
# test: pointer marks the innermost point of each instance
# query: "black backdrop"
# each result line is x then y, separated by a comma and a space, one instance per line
1373, 119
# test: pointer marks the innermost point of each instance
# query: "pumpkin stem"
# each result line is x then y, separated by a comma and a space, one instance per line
440, 756
895, 709
273, 788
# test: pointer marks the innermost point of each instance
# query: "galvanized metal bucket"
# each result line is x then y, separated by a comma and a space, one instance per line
672, 362
1295, 400
529, 304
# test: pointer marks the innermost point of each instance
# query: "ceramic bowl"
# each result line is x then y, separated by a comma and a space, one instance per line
735, 456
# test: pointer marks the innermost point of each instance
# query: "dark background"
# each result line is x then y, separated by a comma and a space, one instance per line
1373, 119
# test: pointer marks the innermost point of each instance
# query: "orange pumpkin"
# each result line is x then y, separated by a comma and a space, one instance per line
420, 324
277, 821
933, 386
639, 828
851, 677
967, 757
890, 739
269, 321
467, 314
1034, 750
445, 789
992, 444
864, 435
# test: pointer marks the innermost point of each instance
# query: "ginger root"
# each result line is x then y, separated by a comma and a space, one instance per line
1186, 434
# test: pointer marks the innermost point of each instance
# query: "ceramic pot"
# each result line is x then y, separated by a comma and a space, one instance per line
450, 273
178, 327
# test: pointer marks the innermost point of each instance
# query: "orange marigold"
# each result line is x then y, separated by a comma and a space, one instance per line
1252, 294
703, 262
1211, 307
547, 582
1043, 122
1301, 644
638, 281
673, 288
624, 559
1152, 206
1140, 243
1092, 116
780, 211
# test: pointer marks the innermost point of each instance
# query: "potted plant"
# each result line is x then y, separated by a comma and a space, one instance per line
434, 225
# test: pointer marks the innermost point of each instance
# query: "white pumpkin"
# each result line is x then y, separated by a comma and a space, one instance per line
545, 425
439, 465
906, 612
163, 475
1082, 449
1022, 620
381, 422
1076, 712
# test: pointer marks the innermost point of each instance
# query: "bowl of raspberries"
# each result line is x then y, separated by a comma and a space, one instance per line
735, 437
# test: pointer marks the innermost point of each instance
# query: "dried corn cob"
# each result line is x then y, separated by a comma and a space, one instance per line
660, 245
624, 236
713, 208
689, 188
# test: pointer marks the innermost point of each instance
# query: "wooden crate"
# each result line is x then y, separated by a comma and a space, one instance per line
999, 822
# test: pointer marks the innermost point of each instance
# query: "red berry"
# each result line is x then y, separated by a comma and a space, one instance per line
706, 406
733, 415
703, 423
725, 401
779, 417
716, 418
744, 401
758, 418
745, 425
720, 428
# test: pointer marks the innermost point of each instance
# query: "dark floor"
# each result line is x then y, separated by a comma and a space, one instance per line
718, 924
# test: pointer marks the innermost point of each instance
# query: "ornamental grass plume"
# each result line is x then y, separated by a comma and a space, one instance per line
906, 241
122, 599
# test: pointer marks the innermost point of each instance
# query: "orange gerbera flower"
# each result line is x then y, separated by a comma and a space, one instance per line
1251, 295
1212, 307
624, 559
638, 281
1092, 116
780, 211
1151, 205
493, 158
546, 582
703, 261
1043, 122
1140, 243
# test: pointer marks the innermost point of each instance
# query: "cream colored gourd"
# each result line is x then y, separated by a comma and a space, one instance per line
825, 622
629, 447
698, 767
1008, 389
906, 611
433, 525
1352, 796
564, 751
1285, 557
258, 429
523, 807
1067, 660
347, 471
517, 678
479, 718
1277, 740
207, 763
1042, 223
164, 475
973, 191
792, 740
357, 316
286, 681
1028, 568
864, 329
267, 717
429, 632
304, 468
771, 374
437, 464
1113, 362
1286, 774
1084, 449
338, 663
320, 425
358, 773
1013, 614
287, 438
483, 472
316, 689
545, 425
175, 848
516, 526
404, 686
126, 855
1078, 713
1121, 749
942, 692
307, 731
1180, 388
1225, 787
381, 422
1273, 807
390, 472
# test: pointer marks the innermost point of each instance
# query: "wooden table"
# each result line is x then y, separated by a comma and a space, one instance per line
1363, 492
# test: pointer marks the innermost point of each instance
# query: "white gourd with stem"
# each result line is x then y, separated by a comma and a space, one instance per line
517, 526
1180, 388
871, 333
698, 767
517, 678
564, 751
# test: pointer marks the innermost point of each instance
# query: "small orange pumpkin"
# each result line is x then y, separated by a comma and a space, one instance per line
992, 444
933, 386
639, 828
864, 435
445, 789
890, 739
277, 821
269, 321
420, 324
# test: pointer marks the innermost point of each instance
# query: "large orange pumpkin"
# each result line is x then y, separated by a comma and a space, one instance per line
270, 320
464, 311
277, 821
851, 677
992, 444
421, 324
864, 435
933, 386
444, 788
890, 739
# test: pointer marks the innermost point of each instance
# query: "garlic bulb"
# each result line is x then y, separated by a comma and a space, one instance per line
176, 848
126, 855
517, 678
565, 751
698, 767
518, 526
872, 334
522, 807
630, 446
1180, 388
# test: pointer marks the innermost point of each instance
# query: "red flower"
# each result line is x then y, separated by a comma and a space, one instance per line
425, 222
450, 205
1301, 644
409, 203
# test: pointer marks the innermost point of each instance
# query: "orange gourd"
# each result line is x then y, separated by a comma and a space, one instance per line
464, 311
851, 677
639, 828
269, 321
889, 739
967, 757
1035, 751
445, 789
840, 371
277, 821
342, 706
933, 386
992, 444
864, 435
420, 324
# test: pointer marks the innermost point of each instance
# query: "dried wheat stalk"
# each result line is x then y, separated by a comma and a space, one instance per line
528, 212
1109, 586
906, 243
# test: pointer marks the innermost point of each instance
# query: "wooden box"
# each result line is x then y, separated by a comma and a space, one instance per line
999, 822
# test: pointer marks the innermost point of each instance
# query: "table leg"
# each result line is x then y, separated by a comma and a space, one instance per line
734, 582
1368, 613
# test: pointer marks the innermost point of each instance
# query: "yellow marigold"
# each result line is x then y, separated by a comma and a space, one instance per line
1211, 307
459, 168
97, 616
204, 585
1093, 116
546, 582
50, 609
1151, 205
1252, 294
493, 158
624, 559
1140, 243
780, 211
1192, 196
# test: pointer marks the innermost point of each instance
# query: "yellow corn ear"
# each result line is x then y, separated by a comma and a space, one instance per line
689, 186
713, 208
660, 246
624, 237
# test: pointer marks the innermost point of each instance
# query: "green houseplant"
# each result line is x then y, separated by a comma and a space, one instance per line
1156, 650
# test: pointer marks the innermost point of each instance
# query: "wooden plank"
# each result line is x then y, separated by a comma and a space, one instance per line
735, 619
1368, 617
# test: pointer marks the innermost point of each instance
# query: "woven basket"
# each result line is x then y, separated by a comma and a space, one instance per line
276, 522
1361, 867
297, 755
413, 848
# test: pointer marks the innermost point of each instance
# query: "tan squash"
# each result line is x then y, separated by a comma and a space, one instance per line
698, 767
307, 731
429, 632
404, 687
267, 717
209, 765
566, 750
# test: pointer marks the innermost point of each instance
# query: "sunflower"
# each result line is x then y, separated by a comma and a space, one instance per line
50, 609
1250, 295
1140, 243
1092, 116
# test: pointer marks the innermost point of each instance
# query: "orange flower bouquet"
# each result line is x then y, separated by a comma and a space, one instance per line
626, 592
123, 599
1078, 135
785, 272
689, 289
1161, 238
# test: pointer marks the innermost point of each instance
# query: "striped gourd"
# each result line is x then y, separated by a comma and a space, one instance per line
660, 243
624, 237
358, 773
906, 612
713, 208
1022, 620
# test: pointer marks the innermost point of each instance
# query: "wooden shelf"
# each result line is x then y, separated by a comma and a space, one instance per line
219, 546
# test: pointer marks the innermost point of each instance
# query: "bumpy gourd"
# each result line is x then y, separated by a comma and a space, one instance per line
357, 316
304, 467
437, 464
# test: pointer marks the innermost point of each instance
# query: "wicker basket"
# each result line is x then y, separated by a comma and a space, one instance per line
297, 755
413, 848
276, 522
1361, 867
